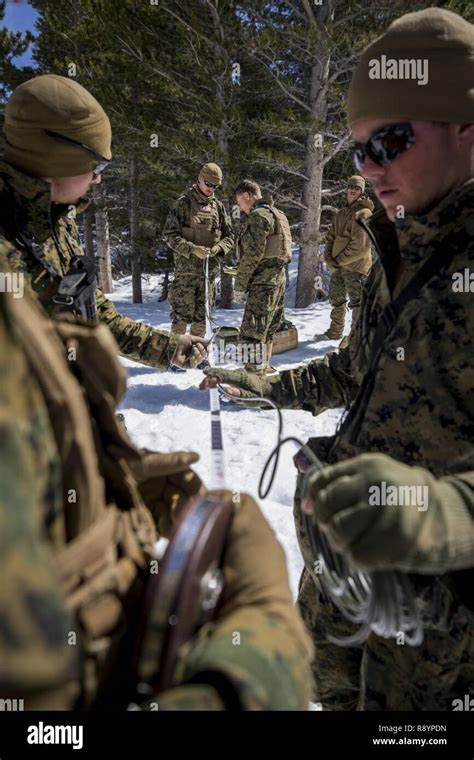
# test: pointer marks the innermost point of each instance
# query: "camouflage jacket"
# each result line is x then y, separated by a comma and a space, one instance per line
57, 425
253, 270
26, 201
180, 217
347, 245
35, 659
420, 409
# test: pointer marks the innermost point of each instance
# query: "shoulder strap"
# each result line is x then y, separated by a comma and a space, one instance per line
388, 319
37, 251
392, 311
12, 223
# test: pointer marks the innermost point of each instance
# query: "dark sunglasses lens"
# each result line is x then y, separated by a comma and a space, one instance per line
390, 143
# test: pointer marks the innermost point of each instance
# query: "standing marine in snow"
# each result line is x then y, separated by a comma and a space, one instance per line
406, 379
197, 228
264, 249
57, 143
348, 257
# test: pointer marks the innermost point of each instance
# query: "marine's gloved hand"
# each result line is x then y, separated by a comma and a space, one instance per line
267, 667
385, 514
200, 251
215, 250
166, 483
190, 351
332, 265
242, 384
239, 296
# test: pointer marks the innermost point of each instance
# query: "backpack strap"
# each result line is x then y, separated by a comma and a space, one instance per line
388, 319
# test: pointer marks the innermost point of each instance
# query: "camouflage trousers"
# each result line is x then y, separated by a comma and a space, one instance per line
264, 311
344, 285
187, 298
383, 674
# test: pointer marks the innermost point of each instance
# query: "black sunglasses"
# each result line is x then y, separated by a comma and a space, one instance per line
102, 162
385, 145
354, 187
209, 184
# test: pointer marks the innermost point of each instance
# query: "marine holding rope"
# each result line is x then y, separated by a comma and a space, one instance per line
398, 489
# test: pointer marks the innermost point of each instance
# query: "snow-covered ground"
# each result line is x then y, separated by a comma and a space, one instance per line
166, 411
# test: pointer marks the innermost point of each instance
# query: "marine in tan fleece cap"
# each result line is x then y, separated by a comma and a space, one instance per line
51, 103
411, 110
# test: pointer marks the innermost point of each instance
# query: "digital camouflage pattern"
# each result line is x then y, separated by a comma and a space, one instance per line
26, 201
191, 212
420, 412
35, 662
266, 668
263, 278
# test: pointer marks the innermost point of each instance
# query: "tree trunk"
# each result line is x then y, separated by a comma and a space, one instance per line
103, 240
309, 264
309, 260
135, 252
88, 234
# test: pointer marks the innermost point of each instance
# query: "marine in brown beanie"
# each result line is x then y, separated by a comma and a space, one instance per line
57, 143
406, 380
198, 227
348, 257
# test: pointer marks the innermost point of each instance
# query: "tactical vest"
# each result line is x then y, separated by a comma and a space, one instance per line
77, 287
204, 223
109, 532
279, 245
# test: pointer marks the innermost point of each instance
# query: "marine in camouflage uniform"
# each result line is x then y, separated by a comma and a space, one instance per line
264, 248
80, 509
348, 257
198, 230
411, 410
39, 238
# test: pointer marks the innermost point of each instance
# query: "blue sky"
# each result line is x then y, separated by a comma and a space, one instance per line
20, 17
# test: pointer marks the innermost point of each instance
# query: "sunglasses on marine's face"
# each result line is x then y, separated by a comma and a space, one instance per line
102, 162
385, 145
209, 184
354, 187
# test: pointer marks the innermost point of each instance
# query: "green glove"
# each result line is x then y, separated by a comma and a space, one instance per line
250, 384
215, 250
385, 514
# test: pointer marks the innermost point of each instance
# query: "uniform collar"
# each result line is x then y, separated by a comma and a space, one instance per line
416, 234
203, 199
32, 198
